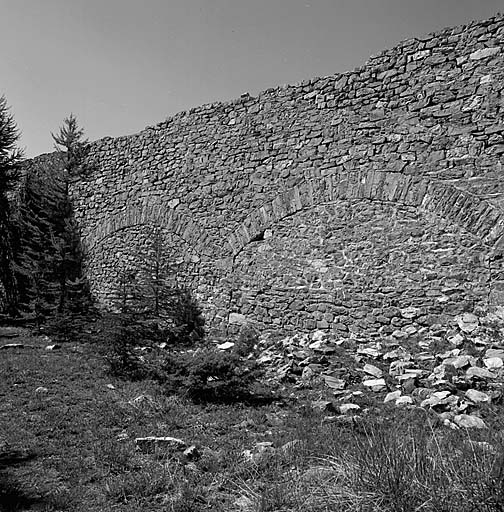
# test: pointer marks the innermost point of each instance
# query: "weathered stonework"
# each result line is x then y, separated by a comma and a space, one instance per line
329, 204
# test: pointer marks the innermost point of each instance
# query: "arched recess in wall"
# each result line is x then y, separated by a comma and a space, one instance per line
159, 214
459, 207
350, 252
123, 240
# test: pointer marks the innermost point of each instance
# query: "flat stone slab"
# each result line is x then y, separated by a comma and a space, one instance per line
151, 444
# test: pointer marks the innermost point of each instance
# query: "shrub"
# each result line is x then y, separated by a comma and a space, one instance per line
246, 342
125, 335
208, 375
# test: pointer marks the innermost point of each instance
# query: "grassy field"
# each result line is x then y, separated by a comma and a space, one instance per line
67, 442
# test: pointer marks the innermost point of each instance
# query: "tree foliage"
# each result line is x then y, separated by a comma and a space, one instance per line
49, 258
70, 144
10, 159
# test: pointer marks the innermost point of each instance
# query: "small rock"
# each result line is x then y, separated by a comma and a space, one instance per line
477, 396
245, 503
456, 339
373, 370
53, 347
291, 446
468, 421
369, 351
151, 444
192, 452
461, 361
439, 398
392, 396
346, 408
323, 405
375, 384
261, 451
41, 389
334, 383
408, 386
226, 345
467, 322
480, 373
110, 386
11, 345
493, 363
404, 400
495, 352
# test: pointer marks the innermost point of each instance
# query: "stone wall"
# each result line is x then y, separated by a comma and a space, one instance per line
328, 204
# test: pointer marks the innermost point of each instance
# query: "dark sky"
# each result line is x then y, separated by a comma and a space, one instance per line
120, 65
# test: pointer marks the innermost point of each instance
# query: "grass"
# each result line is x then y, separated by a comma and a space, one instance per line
69, 428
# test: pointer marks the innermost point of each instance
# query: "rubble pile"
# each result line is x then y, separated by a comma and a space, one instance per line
453, 371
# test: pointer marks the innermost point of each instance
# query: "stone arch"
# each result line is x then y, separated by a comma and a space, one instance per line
464, 209
160, 214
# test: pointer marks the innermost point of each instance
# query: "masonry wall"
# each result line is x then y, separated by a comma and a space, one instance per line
410, 143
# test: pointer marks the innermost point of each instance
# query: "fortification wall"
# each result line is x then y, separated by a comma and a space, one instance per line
329, 204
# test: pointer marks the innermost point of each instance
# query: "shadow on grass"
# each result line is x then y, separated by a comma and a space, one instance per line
13, 495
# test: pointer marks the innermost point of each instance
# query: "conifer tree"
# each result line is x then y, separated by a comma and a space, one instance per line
10, 159
70, 143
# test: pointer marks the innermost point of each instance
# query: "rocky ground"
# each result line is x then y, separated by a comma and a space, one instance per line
454, 371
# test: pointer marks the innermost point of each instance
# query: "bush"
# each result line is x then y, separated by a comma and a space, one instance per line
126, 336
208, 375
67, 327
246, 342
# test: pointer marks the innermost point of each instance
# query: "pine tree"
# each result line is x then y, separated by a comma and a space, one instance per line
70, 144
10, 159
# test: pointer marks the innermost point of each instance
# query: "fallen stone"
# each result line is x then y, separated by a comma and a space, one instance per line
375, 384
52, 347
461, 361
398, 353
292, 446
480, 373
456, 339
261, 451
439, 398
404, 400
226, 345
373, 370
346, 408
41, 389
410, 373
192, 452
323, 405
334, 383
493, 363
467, 322
468, 421
477, 396
11, 345
392, 396
369, 351
494, 352
152, 444
408, 386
